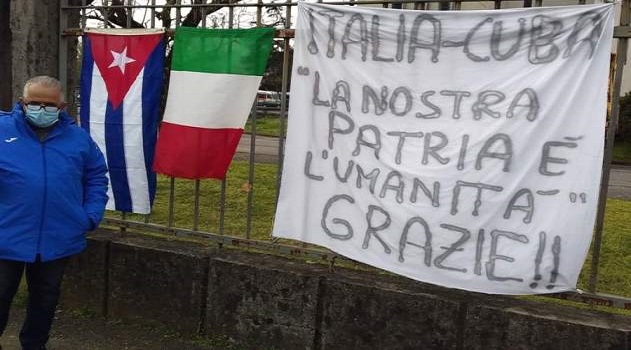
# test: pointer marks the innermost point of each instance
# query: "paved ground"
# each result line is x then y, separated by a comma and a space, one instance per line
620, 182
266, 148
72, 331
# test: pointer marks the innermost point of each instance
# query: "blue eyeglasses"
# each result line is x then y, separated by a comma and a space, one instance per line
47, 106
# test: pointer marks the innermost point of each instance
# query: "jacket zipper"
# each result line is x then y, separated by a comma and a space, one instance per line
41, 222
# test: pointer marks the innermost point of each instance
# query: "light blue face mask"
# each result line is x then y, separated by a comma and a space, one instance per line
41, 118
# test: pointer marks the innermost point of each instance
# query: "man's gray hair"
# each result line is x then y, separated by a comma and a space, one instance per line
45, 81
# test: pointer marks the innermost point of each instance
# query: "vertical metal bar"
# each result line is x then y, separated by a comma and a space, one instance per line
62, 46
83, 14
123, 229
498, 4
621, 59
178, 13
527, 3
259, 12
153, 14
152, 22
253, 115
283, 104
457, 5
105, 14
171, 201
222, 207
222, 199
196, 206
538, 3
130, 13
129, 10
204, 16
230, 17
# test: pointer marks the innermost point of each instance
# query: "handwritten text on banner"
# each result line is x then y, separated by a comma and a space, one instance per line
458, 148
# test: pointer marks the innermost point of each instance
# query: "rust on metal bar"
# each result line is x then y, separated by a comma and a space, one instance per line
224, 239
596, 299
622, 31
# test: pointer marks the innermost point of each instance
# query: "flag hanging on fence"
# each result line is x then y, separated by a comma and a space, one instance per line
460, 148
215, 74
121, 83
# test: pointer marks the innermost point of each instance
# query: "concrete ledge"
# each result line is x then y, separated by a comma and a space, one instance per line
518, 324
375, 313
159, 281
263, 301
85, 280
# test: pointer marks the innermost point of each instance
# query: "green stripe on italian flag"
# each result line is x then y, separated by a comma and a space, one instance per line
215, 74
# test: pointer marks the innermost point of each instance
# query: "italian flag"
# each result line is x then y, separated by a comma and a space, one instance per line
215, 74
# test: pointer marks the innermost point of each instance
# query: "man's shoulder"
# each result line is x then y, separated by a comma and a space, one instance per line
5, 113
78, 133
74, 127
6, 117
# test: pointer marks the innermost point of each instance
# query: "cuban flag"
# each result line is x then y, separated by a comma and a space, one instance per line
121, 85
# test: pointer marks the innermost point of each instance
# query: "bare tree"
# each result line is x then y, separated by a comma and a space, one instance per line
118, 16
31, 47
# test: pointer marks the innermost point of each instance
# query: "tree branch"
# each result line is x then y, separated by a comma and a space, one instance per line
196, 15
118, 16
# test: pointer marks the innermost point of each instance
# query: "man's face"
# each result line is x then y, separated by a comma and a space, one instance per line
42, 95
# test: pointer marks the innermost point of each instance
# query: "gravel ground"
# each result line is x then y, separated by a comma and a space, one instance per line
74, 331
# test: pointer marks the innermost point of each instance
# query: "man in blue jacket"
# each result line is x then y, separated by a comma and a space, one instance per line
53, 189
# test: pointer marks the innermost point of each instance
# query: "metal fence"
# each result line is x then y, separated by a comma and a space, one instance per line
209, 222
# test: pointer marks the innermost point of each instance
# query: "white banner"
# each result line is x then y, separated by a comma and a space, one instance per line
457, 148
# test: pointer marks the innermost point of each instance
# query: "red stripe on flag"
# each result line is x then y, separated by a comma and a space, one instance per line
195, 153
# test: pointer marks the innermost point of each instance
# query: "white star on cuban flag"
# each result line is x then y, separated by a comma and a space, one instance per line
120, 59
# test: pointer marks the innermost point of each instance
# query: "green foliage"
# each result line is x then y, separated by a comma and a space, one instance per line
268, 125
615, 255
624, 118
622, 151
236, 202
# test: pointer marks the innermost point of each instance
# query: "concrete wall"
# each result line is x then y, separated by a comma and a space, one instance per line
268, 302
